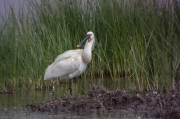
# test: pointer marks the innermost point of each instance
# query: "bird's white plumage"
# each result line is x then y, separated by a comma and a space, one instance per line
65, 65
72, 62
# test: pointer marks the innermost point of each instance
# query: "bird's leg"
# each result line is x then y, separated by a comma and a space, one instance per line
70, 86
75, 80
53, 87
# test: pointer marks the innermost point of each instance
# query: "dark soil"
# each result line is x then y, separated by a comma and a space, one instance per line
154, 104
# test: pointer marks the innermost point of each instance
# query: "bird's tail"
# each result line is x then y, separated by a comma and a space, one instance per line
48, 73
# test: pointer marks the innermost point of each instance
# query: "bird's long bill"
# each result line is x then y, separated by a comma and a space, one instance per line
82, 42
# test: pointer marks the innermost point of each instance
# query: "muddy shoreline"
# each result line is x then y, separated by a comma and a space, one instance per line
148, 104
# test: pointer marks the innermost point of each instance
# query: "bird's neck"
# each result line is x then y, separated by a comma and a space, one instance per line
86, 55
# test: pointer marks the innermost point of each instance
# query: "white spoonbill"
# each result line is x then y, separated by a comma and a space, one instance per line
72, 63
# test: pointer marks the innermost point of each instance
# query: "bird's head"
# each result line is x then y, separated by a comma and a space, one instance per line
89, 39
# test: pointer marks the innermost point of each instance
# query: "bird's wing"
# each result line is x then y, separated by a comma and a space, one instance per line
64, 64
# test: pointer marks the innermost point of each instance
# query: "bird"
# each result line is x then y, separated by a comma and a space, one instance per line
72, 63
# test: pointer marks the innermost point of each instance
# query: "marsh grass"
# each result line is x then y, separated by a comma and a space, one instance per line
137, 41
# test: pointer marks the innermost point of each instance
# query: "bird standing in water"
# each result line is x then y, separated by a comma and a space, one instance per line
72, 63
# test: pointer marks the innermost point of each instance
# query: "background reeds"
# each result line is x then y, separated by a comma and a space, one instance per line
135, 40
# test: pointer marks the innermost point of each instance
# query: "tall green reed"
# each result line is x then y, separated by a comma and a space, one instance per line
134, 40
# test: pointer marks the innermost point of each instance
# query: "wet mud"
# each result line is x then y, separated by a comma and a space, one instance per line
148, 104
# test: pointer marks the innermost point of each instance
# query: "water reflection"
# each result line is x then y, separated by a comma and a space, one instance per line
14, 105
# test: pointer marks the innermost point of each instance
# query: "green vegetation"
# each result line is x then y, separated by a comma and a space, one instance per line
138, 41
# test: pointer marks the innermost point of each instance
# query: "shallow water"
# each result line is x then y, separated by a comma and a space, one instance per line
13, 106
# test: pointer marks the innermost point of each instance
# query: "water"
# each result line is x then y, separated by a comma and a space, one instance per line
13, 106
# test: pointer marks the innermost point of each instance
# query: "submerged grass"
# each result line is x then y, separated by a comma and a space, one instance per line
136, 40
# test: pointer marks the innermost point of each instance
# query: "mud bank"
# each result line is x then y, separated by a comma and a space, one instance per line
149, 104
